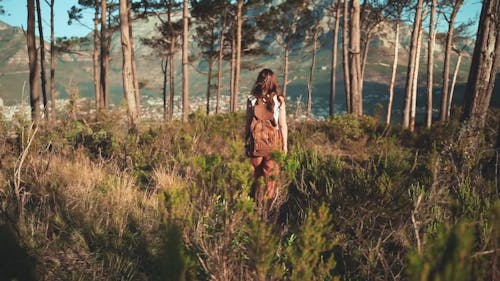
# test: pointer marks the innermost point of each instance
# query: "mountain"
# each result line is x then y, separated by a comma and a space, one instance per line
71, 68
75, 70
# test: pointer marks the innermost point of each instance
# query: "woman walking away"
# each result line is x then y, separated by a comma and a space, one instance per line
266, 132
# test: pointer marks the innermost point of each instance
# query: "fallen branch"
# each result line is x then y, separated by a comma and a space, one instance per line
19, 165
415, 223
484, 253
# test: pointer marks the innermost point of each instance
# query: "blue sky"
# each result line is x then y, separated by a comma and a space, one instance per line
16, 16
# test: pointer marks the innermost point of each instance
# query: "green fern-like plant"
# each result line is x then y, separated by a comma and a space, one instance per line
263, 249
446, 257
310, 255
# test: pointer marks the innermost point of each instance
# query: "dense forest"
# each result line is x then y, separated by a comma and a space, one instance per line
92, 192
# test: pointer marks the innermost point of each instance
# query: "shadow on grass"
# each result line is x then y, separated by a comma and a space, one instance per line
15, 261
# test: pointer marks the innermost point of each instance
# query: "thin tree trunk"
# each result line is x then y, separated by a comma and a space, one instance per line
412, 60
453, 82
134, 64
33, 63
414, 92
172, 79
355, 61
185, 62
127, 72
104, 55
345, 56
285, 71
393, 74
220, 60
209, 82
239, 25
52, 63
211, 62
95, 58
430, 64
364, 57
333, 75
172, 47
164, 70
233, 71
311, 72
447, 57
42, 61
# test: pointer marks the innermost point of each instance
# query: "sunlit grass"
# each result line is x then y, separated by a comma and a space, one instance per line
173, 200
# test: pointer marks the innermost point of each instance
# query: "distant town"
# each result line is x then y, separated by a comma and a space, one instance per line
151, 107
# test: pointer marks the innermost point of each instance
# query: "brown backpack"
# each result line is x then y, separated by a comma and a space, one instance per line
264, 133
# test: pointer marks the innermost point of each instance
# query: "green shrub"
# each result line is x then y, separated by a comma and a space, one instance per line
445, 257
310, 254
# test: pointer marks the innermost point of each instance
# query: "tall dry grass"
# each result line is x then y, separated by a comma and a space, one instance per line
91, 201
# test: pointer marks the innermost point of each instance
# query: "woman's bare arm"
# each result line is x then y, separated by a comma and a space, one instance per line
283, 124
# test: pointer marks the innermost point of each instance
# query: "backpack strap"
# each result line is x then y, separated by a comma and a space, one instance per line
252, 102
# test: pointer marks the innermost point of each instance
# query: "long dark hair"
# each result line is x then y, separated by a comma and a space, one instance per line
266, 87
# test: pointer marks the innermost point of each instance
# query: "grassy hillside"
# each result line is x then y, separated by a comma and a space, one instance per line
87, 200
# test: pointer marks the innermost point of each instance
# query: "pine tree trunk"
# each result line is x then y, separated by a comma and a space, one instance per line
220, 60
134, 64
171, 84
105, 42
355, 61
430, 64
333, 75
285, 71
345, 56
209, 82
233, 71
164, 70
453, 82
364, 58
42, 61
171, 75
393, 74
484, 66
33, 63
52, 64
447, 56
414, 92
171, 70
412, 60
136, 80
127, 72
311, 72
95, 58
239, 18
185, 62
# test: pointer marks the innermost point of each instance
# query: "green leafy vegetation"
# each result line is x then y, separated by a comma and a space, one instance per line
87, 200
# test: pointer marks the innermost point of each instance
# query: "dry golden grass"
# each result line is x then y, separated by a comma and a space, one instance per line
104, 195
167, 179
101, 204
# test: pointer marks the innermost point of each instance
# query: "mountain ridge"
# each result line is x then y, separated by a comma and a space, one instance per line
75, 69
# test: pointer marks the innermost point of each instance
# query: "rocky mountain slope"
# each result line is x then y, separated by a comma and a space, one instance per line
74, 70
